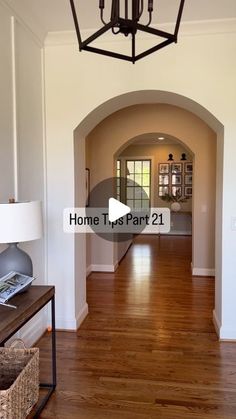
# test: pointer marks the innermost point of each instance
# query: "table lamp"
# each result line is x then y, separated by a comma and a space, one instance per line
19, 222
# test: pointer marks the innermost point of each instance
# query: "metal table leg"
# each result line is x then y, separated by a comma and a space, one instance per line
51, 387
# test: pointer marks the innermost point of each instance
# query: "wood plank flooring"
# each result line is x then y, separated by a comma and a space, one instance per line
148, 348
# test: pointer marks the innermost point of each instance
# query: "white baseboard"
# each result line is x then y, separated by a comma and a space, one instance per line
81, 316
66, 324
228, 333
108, 268
115, 266
88, 270
216, 323
178, 233
224, 333
104, 268
72, 324
34, 329
203, 272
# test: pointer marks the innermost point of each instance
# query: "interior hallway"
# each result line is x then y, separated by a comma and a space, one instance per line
148, 347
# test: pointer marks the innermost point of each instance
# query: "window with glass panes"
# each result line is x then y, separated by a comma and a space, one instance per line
138, 195
118, 174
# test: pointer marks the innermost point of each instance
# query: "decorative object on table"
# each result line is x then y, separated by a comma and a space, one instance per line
128, 18
175, 206
19, 222
176, 168
164, 168
12, 284
183, 157
19, 381
188, 167
170, 157
175, 198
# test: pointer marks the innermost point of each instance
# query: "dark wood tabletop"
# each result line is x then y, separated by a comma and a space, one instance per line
28, 304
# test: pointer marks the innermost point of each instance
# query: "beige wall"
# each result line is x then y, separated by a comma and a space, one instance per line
113, 135
185, 75
158, 154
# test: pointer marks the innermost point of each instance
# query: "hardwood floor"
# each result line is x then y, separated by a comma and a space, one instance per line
148, 348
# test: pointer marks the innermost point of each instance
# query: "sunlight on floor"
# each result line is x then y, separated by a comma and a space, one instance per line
141, 261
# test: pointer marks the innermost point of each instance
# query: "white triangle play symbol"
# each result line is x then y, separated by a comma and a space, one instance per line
117, 209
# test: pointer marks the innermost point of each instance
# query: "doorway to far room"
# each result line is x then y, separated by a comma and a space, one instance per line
162, 169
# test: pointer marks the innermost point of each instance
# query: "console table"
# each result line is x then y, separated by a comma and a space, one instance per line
28, 305
181, 223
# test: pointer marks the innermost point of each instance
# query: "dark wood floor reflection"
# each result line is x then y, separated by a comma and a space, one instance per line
148, 348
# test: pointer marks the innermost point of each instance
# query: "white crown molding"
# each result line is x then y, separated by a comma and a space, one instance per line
208, 27
191, 28
23, 16
60, 38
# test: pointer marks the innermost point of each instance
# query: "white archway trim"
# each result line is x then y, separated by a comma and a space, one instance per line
145, 97
99, 114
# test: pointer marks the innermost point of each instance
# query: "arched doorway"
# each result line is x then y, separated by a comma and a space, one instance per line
137, 98
146, 160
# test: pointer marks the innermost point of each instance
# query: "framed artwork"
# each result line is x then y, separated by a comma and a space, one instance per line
164, 168
163, 179
176, 179
176, 190
188, 167
176, 168
87, 185
188, 191
163, 190
188, 179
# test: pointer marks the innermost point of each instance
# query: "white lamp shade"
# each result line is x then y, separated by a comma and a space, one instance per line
20, 222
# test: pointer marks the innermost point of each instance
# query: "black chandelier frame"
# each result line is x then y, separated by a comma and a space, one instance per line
169, 38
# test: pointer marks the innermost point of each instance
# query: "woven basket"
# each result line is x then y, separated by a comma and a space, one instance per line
19, 382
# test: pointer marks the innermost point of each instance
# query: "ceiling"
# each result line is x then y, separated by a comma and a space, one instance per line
152, 139
55, 15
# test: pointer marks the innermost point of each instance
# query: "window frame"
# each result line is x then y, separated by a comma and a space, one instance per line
139, 159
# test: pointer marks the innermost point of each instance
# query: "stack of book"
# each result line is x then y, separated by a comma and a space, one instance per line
12, 284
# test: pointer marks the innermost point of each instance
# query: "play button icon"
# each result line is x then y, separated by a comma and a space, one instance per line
114, 209
117, 210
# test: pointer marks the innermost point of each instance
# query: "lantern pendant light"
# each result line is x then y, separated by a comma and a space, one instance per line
125, 18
